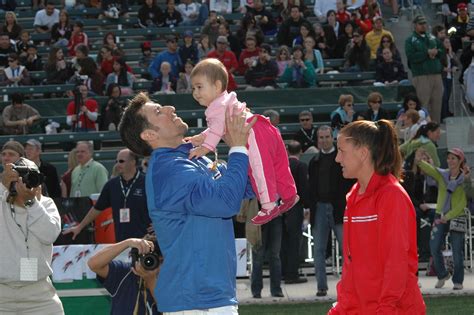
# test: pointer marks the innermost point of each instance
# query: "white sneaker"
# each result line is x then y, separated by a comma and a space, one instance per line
394, 19
441, 282
457, 286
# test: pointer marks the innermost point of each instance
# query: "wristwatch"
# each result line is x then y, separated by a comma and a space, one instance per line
29, 203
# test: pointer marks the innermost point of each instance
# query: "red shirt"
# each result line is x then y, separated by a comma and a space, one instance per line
244, 55
380, 252
80, 38
107, 66
230, 62
84, 121
343, 17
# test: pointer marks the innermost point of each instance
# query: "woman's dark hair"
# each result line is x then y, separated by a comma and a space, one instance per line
83, 49
17, 98
436, 29
122, 79
392, 43
132, 123
104, 41
246, 21
381, 139
330, 12
351, 24
88, 66
52, 55
424, 129
411, 97
111, 87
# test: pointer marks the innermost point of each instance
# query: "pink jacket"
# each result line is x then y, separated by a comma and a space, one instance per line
215, 117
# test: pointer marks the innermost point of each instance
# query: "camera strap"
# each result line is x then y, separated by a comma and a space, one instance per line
25, 234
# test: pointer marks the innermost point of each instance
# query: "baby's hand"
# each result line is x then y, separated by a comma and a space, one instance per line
196, 140
198, 152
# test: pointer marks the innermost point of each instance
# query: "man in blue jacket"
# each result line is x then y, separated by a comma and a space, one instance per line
191, 205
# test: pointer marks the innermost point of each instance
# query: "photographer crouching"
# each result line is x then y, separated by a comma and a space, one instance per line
131, 285
29, 224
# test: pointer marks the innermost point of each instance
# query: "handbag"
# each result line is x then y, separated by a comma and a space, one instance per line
458, 224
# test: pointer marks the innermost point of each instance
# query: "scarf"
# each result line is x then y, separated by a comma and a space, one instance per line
451, 185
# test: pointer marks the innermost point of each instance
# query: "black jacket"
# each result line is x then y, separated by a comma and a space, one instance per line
289, 30
51, 179
150, 16
299, 171
306, 138
390, 71
262, 74
369, 115
358, 55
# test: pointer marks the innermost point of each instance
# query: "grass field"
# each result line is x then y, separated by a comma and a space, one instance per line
453, 305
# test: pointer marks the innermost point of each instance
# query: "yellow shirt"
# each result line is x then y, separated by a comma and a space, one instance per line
373, 40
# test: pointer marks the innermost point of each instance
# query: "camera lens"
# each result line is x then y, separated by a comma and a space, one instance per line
150, 261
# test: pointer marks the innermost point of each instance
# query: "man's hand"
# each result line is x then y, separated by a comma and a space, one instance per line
237, 130
198, 152
143, 246
9, 176
24, 192
84, 109
75, 230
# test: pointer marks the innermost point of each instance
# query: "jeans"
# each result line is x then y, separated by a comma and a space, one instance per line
291, 241
438, 236
271, 242
447, 84
323, 223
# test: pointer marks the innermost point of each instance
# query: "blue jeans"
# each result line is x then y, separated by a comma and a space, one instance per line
438, 236
323, 223
271, 242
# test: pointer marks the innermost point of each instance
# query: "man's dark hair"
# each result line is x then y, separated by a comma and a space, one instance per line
17, 98
133, 123
294, 147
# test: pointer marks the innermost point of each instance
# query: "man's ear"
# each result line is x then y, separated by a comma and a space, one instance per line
148, 135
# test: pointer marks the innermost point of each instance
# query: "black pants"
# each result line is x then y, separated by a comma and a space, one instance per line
290, 243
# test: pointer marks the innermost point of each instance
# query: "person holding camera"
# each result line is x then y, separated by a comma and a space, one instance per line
131, 285
29, 224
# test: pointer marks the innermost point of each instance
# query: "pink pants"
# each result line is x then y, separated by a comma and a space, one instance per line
269, 170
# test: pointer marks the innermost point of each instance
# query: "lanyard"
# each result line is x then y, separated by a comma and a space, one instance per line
126, 192
81, 176
310, 138
13, 213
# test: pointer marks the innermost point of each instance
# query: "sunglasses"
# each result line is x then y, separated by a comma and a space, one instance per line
376, 102
305, 119
386, 41
11, 60
356, 35
120, 161
349, 105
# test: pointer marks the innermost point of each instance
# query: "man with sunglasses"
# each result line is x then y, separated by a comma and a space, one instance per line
306, 136
170, 55
374, 37
126, 195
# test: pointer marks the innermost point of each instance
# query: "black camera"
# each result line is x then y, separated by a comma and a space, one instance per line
148, 261
29, 173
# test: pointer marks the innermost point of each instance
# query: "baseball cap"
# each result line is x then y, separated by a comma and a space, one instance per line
188, 33
267, 48
377, 17
457, 152
14, 146
222, 40
419, 19
34, 143
462, 6
170, 38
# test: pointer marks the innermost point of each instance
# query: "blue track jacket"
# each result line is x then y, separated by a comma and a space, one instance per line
191, 208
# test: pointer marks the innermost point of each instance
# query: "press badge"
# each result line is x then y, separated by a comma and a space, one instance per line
125, 215
29, 269
77, 193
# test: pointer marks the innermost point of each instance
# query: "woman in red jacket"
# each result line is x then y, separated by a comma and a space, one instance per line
379, 244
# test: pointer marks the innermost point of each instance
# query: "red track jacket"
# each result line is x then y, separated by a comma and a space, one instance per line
380, 252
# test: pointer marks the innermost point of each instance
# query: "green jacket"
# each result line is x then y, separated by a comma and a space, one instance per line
422, 142
419, 62
309, 74
458, 198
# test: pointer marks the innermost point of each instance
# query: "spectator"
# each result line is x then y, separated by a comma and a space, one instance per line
6, 48
146, 59
320, 40
211, 26
129, 207
342, 15
58, 70
424, 55
343, 115
121, 76
204, 46
289, 29
390, 71
184, 81
375, 112
357, 54
411, 101
112, 111
305, 11
107, 60
89, 177
82, 112
344, 39
313, 55
283, 58
113, 9
190, 12
234, 43
227, 58
95, 78
18, 117
46, 18
8, 5
11, 26
425, 138
322, 7
299, 73
451, 65
150, 15
262, 72
467, 54
22, 43
306, 136
374, 37
387, 42
408, 124
111, 41
327, 191
165, 82
65, 183
51, 181
249, 27
249, 55
172, 16
189, 49
274, 117
450, 206
170, 55
263, 18
220, 6
305, 30
363, 21
78, 36
332, 31
293, 219
82, 52
16, 74
131, 287
439, 31
32, 61
61, 31
460, 24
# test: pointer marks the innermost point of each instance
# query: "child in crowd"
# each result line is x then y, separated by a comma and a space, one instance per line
165, 83
184, 81
342, 15
269, 171
77, 37
146, 59
22, 44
